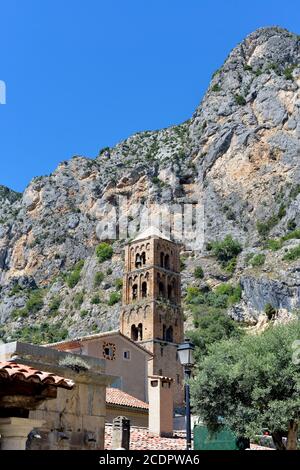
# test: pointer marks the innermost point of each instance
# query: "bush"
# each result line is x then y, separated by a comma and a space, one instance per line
114, 298
95, 300
41, 334
202, 301
104, 252
270, 311
264, 228
226, 250
119, 283
216, 88
288, 73
292, 254
199, 273
74, 277
35, 302
84, 313
54, 304
99, 277
240, 100
109, 271
258, 260
291, 225
274, 245
78, 299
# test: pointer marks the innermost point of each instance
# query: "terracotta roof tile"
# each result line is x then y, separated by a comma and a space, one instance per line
14, 371
141, 439
115, 396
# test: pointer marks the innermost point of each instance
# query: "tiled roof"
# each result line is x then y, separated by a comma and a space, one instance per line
115, 396
14, 371
141, 439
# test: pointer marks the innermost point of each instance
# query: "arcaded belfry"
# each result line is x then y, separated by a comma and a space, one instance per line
152, 313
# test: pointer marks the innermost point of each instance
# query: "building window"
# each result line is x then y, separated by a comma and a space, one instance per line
134, 333
169, 334
167, 262
161, 289
144, 289
160, 372
109, 351
126, 355
143, 258
162, 260
140, 331
178, 379
134, 291
161, 352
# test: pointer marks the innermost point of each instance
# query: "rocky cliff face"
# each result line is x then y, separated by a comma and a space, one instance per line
239, 151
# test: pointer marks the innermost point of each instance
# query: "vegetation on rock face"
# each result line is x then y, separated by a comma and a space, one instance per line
198, 272
203, 301
41, 334
226, 251
270, 311
252, 383
292, 254
74, 277
99, 278
114, 298
104, 252
257, 260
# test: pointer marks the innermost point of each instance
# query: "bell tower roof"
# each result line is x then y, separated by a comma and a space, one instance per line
151, 231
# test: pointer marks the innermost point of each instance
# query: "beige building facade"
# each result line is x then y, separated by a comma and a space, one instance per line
125, 359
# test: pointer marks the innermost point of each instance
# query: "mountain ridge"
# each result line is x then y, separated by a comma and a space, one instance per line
240, 150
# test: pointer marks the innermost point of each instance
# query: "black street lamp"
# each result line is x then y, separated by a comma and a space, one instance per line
185, 352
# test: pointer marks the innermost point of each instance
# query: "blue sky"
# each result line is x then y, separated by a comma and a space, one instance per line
85, 74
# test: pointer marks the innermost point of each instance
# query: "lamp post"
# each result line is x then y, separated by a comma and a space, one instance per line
186, 357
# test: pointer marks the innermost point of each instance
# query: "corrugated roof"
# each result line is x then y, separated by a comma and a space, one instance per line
14, 371
114, 396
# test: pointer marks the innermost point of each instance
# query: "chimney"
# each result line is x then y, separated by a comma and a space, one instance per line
160, 405
121, 433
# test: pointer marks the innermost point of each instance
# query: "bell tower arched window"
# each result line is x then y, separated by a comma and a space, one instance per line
167, 262
134, 291
144, 289
161, 289
162, 260
169, 334
134, 333
140, 331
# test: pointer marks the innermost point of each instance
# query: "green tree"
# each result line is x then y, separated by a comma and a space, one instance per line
104, 251
211, 328
226, 250
252, 383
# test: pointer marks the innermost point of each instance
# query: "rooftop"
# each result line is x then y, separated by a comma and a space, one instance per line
141, 439
151, 232
76, 342
115, 396
11, 371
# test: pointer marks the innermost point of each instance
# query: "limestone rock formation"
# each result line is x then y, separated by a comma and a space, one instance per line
239, 151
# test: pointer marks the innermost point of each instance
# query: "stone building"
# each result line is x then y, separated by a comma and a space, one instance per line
152, 314
124, 358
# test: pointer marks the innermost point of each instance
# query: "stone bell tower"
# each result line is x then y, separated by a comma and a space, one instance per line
151, 312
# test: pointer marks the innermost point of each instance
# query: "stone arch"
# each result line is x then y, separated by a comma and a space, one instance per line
134, 291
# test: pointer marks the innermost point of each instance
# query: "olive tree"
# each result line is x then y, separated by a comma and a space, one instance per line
252, 383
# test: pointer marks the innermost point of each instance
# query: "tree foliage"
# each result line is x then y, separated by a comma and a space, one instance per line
252, 383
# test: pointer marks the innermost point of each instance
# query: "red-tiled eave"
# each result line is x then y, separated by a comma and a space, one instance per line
13, 371
115, 396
